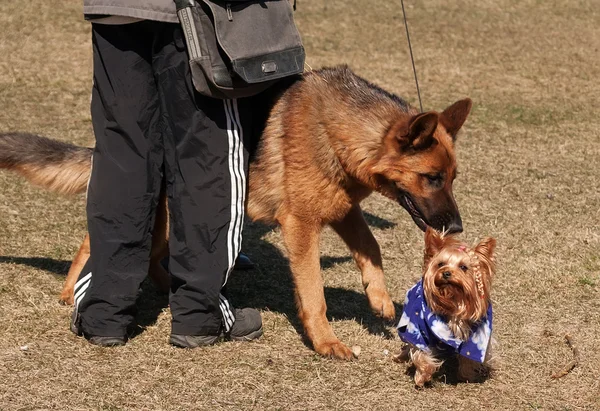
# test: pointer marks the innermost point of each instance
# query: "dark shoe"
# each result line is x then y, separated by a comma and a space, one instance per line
193, 341
106, 341
243, 262
247, 327
94, 339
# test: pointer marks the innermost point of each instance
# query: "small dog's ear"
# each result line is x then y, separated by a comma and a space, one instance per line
485, 251
486, 248
455, 116
434, 242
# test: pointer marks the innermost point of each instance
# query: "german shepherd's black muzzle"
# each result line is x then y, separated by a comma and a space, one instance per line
439, 212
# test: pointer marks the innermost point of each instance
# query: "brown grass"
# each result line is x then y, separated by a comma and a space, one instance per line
528, 159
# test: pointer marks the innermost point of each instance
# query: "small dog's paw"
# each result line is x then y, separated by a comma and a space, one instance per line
472, 371
403, 356
425, 366
421, 378
335, 349
381, 303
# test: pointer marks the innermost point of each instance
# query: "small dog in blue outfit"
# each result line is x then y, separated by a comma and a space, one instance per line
449, 312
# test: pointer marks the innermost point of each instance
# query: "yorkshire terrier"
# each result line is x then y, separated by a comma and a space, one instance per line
449, 312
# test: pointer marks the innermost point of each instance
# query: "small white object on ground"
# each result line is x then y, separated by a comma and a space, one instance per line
24, 347
386, 352
356, 350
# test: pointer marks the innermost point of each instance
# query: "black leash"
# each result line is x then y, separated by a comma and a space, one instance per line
411, 55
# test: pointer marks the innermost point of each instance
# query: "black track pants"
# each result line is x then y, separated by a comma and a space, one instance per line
149, 122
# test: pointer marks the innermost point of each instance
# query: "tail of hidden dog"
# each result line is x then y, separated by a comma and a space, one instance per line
55, 165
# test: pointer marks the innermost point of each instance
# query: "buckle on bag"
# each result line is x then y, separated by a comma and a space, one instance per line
269, 67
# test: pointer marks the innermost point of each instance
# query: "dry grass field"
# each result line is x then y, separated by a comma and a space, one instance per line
529, 159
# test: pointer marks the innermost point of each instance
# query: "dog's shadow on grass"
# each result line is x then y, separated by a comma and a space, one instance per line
59, 267
269, 286
150, 302
448, 373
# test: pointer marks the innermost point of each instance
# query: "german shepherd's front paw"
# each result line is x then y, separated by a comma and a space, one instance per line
66, 297
381, 303
334, 349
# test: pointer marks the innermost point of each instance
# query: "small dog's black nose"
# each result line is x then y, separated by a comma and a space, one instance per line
446, 274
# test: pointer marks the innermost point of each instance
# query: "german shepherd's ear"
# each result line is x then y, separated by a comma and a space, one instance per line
434, 242
419, 133
454, 116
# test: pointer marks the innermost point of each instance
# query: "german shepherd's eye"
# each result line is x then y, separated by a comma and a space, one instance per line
435, 180
464, 267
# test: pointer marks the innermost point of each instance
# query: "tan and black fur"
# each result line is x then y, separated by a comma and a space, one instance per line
331, 139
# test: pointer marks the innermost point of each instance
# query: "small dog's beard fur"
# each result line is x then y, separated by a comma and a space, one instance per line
456, 284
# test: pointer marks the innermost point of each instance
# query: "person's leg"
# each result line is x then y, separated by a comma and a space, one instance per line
206, 164
125, 181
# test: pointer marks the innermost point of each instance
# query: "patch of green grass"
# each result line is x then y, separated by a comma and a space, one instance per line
587, 281
527, 115
592, 263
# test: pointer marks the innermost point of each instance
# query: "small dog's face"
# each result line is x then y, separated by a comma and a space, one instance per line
457, 279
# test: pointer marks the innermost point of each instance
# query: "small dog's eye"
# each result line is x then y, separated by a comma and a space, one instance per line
464, 267
440, 264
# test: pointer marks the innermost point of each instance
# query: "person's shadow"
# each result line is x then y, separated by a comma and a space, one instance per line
268, 286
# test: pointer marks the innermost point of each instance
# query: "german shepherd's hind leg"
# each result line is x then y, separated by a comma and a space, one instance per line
156, 272
66, 296
160, 245
302, 242
355, 232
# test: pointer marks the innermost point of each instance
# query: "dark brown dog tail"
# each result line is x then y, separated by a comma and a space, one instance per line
52, 164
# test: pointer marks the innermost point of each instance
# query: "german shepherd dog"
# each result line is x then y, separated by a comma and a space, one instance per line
331, 139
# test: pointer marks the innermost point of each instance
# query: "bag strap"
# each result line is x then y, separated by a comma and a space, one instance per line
182, 4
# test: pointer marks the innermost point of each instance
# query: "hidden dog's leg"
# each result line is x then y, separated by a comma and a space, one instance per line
355, 232
66, 296
302, 242
160, 246
159, 251
156, 271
